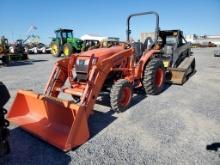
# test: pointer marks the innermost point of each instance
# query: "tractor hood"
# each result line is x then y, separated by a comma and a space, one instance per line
103, 53
71, 40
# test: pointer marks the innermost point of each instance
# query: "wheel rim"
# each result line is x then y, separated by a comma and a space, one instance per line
125, 96
159, 77
66, 51
54, 49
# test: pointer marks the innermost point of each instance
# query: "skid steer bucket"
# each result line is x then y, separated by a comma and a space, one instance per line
177, 76
180, 74
58, 122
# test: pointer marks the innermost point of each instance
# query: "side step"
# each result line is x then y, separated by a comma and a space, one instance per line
180, 74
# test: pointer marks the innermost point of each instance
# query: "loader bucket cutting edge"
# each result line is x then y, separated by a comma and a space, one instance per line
58, 122
178, 76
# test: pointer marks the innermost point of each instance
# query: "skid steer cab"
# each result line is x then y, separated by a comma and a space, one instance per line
116, 70
176, 56
65, 43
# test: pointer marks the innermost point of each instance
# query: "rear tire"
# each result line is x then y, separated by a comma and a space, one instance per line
154, 77
121, 95
24, 56
55, 50
67, 49
6, 60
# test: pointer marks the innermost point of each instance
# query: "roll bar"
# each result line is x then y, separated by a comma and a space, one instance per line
140, 14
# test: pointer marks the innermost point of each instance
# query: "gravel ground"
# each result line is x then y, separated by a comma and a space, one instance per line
174, 127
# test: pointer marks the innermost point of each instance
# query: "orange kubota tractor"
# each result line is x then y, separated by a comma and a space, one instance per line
64, 123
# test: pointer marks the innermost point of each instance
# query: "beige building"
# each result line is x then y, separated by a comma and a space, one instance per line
145, 35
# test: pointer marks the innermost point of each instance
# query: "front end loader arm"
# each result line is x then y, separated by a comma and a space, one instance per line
57, 78
60, 122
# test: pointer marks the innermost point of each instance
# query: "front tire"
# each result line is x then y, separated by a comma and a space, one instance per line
55, 50
154, 77
24, 56
121, 95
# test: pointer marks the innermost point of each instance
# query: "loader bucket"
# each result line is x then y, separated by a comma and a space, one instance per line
58, 122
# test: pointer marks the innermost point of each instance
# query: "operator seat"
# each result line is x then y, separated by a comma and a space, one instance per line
138, 50
168, 49
148, 43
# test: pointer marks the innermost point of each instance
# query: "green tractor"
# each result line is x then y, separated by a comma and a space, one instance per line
65, 43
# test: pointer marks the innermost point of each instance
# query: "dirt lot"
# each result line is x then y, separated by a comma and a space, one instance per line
174, 127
